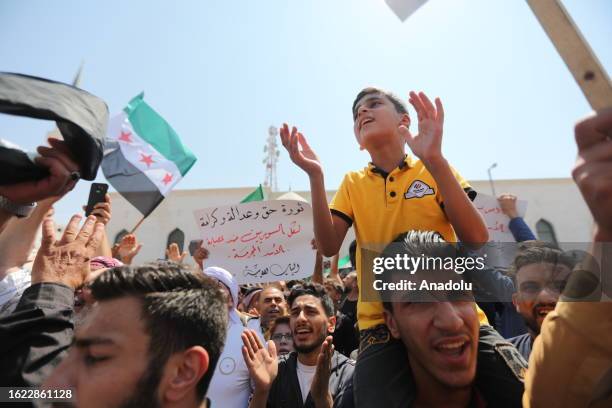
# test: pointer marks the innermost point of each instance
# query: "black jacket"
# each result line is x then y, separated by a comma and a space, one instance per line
35, 337
285, 391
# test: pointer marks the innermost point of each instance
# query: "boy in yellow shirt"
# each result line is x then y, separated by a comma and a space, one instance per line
393, 194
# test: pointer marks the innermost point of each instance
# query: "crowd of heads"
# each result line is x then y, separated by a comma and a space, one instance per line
153, 334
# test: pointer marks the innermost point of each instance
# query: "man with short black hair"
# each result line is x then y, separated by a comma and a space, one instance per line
440, 332
312, 376
36, 335
152, 339
540, 275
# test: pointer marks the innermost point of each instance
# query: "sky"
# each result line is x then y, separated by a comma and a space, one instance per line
222, 71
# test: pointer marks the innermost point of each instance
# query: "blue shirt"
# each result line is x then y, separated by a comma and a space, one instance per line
523, 343
501, 286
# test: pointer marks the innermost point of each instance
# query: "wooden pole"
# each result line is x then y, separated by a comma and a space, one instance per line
575, 51
137, 225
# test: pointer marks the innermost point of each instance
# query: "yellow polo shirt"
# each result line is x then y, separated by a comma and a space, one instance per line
380, 207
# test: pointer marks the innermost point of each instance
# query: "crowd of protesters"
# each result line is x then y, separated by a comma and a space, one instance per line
76, 313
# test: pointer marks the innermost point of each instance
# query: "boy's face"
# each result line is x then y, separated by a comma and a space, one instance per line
538, 287
376, 121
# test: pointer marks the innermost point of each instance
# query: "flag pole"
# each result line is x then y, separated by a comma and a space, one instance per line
137, 225
575, 51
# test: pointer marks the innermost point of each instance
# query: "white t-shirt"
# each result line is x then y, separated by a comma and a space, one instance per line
11, 288
255, 324
231, 384
305, 373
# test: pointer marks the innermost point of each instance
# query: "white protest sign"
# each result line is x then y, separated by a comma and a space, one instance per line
260, 241
500, 252
404, 8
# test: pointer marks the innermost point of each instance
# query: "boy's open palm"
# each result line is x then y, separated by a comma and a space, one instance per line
300, 151
427, 144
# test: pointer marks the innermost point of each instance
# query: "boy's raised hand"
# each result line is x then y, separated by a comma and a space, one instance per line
427, 144
300, 151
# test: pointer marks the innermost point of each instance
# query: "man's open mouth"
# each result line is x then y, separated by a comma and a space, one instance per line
455, 348
542, 312
302, 332
453, 351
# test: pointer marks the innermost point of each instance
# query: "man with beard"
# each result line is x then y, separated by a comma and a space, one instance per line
152, 339
231, 384
312, 376
540, 274
271, 305
36, 335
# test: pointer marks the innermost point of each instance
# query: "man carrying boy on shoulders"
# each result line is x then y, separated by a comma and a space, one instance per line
395, 193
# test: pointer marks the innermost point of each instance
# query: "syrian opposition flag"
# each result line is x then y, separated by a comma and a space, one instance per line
255, 195
144, 157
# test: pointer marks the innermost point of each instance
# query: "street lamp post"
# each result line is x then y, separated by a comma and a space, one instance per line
494, 165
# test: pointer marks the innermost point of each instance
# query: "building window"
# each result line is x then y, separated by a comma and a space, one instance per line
176, 237
546, 232
120, 235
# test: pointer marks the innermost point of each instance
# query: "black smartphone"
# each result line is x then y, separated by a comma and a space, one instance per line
96, 195
194, 244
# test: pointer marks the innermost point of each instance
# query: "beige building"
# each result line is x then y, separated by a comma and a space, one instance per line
556, 211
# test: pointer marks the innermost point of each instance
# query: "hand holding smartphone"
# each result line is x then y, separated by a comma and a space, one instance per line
97, 194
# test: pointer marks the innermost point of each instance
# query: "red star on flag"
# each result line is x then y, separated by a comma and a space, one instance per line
167, 179
148, 160
125, 137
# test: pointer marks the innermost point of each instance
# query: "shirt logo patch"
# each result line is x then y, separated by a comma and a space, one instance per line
227, 366
514, 360
418, 189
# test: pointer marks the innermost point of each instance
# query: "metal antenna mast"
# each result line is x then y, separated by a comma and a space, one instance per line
272, 153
